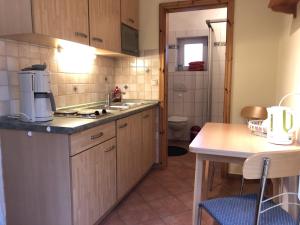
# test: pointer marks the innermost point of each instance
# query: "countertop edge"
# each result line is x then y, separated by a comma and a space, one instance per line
33, 127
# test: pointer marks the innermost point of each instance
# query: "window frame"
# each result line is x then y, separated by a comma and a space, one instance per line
192, 40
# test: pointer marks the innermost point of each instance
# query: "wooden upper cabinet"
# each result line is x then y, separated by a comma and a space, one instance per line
105, 29
130, 13
64, 19
285, 6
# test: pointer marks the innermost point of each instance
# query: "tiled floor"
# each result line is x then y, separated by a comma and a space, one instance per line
165, 197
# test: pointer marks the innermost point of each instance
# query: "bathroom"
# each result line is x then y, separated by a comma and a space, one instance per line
196, 72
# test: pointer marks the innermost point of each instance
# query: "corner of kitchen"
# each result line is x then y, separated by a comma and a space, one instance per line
143, 112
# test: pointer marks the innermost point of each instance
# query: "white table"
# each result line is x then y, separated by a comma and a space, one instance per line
229, 143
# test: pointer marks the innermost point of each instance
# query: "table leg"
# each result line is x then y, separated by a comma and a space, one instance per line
206, 179
197, 189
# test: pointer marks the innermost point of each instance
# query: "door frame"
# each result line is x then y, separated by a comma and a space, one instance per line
183, 6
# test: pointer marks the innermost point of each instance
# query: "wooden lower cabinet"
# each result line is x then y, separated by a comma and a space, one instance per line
74, 179
93, 182
148, 139
136, 149
129, 144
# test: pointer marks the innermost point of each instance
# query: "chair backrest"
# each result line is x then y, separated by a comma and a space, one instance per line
282, 164
254, 113
271, 165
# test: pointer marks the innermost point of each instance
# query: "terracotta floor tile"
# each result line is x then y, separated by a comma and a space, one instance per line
137, 215
165, 197
153, 222
168, 206
177, 187
183, 173
179, 219
150, 193
133, 197
187, 199
113, 219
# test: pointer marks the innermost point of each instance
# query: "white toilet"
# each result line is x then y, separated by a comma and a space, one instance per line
177, 124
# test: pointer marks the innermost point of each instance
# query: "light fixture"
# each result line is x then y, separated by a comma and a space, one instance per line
75, 58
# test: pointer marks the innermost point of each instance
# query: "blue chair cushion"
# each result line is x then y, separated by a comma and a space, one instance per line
240, 210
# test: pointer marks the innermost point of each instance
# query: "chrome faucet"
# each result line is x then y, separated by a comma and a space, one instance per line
108, 100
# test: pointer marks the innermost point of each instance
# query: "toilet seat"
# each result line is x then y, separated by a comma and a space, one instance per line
177, 119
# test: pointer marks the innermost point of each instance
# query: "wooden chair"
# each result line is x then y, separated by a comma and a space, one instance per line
256, 209
248, 113
253, 113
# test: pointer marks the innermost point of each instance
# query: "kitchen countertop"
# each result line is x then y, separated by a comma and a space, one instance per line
64, 125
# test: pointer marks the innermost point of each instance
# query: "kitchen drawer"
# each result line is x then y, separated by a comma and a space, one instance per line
91, 137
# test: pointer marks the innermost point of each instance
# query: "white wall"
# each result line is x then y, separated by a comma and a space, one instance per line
288, 67
288, 72
256, 38
195, 20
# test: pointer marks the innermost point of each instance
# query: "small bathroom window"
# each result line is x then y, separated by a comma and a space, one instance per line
192, 53
192, 49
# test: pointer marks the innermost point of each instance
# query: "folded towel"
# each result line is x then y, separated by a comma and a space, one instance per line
196, 63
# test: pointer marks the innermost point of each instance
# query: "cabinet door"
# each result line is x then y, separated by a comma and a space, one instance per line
105, 31
130, 13
148, 136
93, 182
129, 153
64, 19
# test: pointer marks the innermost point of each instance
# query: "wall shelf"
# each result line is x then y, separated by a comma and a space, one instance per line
285, 6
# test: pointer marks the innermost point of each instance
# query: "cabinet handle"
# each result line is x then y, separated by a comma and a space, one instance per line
80, 34
146, 116
131, 20
123, 126
97, 136
97, 39
110, 149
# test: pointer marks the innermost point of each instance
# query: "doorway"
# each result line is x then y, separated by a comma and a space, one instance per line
178, 65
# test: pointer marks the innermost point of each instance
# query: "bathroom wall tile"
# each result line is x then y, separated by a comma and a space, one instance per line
4, 107
178, 79
189, 81
170, 82
12, 63
3, 63
24, 50
141, 79
4, 93
12, 49
199, 82
178, 108
189, 109
172, 55
24, 62
178, 97
141, 95
171, 67
189, 96
170, 108
198, 96
3, 78
170, 96
34, 52
14, 92
2, 48
14, 107
199, 109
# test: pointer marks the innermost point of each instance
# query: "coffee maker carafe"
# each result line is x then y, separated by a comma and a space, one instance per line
36, 101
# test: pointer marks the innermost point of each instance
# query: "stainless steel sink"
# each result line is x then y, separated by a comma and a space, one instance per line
118, 106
